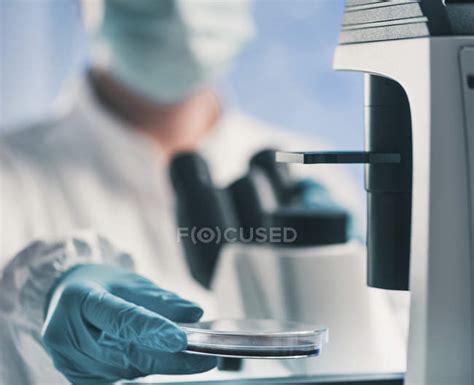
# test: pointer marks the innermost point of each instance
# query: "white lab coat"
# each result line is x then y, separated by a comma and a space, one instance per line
88, 171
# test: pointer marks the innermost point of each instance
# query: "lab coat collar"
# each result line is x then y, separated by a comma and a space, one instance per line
132, 157
109, 124
110, 129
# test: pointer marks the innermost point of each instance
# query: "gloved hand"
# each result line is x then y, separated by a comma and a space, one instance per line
104, 324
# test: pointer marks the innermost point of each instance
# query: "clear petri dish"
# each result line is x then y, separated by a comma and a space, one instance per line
255, 338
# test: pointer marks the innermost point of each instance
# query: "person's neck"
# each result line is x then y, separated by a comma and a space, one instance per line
176, 127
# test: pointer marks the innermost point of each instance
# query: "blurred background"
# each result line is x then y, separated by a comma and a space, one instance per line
284, 77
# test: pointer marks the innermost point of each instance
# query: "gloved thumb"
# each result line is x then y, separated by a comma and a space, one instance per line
127, 321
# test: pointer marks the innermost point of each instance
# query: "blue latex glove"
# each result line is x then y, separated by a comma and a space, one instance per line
104, 324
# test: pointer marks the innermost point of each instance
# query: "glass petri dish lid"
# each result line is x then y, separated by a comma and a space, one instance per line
255, 338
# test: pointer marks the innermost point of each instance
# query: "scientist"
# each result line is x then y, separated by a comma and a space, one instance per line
87, 215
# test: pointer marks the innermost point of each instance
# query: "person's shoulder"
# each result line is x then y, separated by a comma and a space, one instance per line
26, 135
32, 140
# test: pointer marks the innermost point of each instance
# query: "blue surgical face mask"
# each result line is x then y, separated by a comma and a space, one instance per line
166, 50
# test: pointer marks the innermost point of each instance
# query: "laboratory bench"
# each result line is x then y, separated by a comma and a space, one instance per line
358, 379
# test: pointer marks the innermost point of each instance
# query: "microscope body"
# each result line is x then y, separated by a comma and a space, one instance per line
422, 210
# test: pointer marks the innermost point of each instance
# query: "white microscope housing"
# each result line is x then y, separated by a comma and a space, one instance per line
418, 57
427, 48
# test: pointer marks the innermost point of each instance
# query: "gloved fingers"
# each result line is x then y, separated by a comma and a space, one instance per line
111, 350
81, 369
127, 321
84, 357
163, 302
154, 362
106, 359
138, 361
